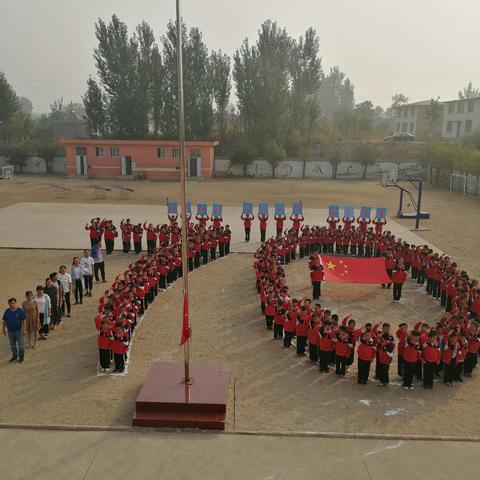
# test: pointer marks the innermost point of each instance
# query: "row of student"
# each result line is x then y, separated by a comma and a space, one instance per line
248, 219
43, 310
451, 345
161, 235
132, 293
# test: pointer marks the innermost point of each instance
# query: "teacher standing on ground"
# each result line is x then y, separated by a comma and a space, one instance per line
14, 325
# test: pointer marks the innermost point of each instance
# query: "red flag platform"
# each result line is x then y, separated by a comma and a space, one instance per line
355, 270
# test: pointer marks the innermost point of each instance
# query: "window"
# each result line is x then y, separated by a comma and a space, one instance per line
99, 151
412, 112
412, 127
160, 152
468, 126
195, 153
175, 152
449, 127
398, 127
451, 108
471, 106
114, 152
460, 107
404, 126
399, 112
81, 151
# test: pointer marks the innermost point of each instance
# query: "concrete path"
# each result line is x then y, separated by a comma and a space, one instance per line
53, 225
139, 455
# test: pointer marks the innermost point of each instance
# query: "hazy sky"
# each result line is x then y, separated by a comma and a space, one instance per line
422, 48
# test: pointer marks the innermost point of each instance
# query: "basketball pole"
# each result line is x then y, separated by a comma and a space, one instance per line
183, 190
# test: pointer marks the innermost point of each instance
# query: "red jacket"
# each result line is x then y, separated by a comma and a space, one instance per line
410, 352
366, 350
399, 276
431, 352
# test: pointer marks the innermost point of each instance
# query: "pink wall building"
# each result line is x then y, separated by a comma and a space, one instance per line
150, 159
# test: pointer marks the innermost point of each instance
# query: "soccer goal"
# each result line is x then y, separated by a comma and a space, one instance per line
461, 176
6, 172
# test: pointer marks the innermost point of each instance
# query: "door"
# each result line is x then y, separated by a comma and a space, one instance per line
81, 164
127, 166
193, 167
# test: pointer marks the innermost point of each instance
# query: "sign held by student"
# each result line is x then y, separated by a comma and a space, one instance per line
297, 208
172, 208
247, 208
280, 209
217, 210
202, 209
334, 211
263, 209
381, 213
365, 212
349, 211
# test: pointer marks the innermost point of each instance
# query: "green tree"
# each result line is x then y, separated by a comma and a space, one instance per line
365, 115
8, 99
26, 105
366, 154
242, 152
221, 86
48, 151
95, 110
274, 153
433, 114
335, 156
469, 92
18, 153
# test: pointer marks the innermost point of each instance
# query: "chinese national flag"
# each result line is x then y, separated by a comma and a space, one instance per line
185, 324
355, 270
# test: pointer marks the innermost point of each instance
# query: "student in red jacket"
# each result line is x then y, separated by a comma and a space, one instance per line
269, 310
289, 326
431, 358
126, 228
398, 277
316, 276
120, 347
279, 219
385, 355
473, 340
151, 237
343, 346
366, 353
402, 334
110, 235
325, 345
247, 223
278, 321
263, 226
313, 339
411, 355
449, 354
301, 331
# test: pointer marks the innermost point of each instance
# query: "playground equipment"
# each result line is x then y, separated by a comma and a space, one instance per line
124, 192
59, 191
463, 177
417, 183
6, 172
99, 191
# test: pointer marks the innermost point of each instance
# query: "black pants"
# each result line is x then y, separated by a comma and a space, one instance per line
204, 256
449, 372
301, 342
221, 247
43, 328
151, 246
196, 260
66, 305
436, 288
418, 370
400, 366
313, 352
397, 291
443, 298
190, 264
213, 253
104, 356
363, 371
287, 339
126, 246
279, 232
247, 234
353, 249
316, 290
227, 248
421, 276
99, 267
137, 246
340, 365
88, 281
414, 272
109, 245
383, 373
428, 374
458, 372
119, 362
263, 234
408, 372
389, 273
78, 290
269, 321
277, 331
448, 306
323, 358
470, 362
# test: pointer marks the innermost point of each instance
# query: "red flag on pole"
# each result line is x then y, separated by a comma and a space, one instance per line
355, 270
185, 324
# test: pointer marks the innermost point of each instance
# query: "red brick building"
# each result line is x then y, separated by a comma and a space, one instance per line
150, 159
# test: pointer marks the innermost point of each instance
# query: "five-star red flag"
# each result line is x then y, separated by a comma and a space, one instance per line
185, 323
355, 270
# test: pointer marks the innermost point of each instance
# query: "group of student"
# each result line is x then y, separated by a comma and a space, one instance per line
130, 295
156, 235
450, 345
248, 219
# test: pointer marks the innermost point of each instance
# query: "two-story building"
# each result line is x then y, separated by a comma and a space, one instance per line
148, 159
460, 118
414, 118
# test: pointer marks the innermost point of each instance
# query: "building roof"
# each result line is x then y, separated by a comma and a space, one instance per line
461, 100
422, 103
153, 143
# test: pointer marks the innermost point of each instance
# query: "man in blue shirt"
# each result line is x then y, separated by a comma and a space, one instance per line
14, 325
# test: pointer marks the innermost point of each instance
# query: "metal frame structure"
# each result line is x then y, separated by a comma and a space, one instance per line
465, 184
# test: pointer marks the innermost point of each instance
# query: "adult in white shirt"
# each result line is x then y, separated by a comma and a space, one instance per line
87, 261
77, 271
66, 281
99, 263
45, 311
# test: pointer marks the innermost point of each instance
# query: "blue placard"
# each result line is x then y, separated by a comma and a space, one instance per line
297, 208
217, 210
280, 209
365, 212
263, 209
172, 208
247, 208
349, 211
381, 213
202, 209
334, 211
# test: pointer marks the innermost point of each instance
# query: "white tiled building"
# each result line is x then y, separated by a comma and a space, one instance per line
412, 118
460, 118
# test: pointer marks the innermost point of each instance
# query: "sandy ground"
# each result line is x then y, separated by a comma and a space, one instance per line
271, 388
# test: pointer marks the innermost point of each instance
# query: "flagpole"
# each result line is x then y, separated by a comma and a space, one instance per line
183, 192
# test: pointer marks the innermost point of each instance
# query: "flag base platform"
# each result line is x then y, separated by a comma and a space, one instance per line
165, 400
423, 215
